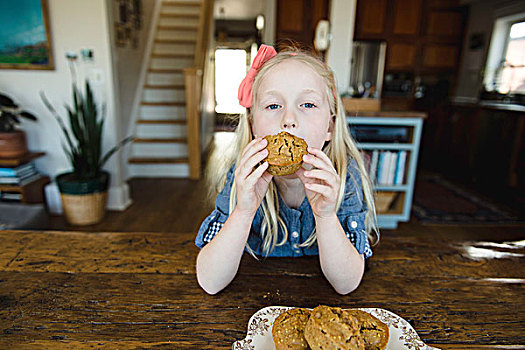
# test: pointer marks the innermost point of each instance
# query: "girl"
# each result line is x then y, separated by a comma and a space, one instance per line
326, 208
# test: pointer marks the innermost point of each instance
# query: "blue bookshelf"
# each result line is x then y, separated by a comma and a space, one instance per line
394, 135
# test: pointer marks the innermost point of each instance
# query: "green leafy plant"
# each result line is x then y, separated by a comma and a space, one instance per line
84, 135
10, 114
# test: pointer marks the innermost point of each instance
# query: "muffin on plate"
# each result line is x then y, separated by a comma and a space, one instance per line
288, 330
373, 332
285, 153
331, 328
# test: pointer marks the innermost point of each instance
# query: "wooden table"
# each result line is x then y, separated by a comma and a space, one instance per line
136, 290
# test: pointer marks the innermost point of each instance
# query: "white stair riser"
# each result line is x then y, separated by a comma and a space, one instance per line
194, 10
159, 170
159, 150
177, 2
174, 48
161, 131
171, 63
177, 21
162, 112
176, 34
161, 95
165, 78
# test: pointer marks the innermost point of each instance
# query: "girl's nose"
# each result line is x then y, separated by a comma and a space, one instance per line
289, 121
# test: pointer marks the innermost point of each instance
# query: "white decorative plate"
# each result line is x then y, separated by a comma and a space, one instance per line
259, 336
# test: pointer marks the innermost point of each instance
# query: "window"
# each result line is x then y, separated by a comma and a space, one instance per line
231, 65
512, 78
505, 69
230, 69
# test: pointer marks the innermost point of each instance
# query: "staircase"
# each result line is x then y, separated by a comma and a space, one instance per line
161, 146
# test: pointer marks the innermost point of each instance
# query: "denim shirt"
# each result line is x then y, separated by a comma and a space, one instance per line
300, 222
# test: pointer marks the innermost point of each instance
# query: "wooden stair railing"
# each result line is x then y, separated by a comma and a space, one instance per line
193, 82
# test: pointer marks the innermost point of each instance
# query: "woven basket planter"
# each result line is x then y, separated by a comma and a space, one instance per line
84, 202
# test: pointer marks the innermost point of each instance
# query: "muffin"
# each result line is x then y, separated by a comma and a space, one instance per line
331, 328
373, 332
285, 153
288, 330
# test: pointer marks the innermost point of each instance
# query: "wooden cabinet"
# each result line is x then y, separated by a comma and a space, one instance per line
440, 56
370, 19
406, 17
401, 57
447, 24
422, 36
483, 146
297, 19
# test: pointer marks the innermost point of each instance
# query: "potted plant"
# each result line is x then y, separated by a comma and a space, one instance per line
12, 140
84, 189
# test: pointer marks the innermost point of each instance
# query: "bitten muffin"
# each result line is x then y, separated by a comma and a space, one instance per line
373, 332
288, 330
330, 328
285, 153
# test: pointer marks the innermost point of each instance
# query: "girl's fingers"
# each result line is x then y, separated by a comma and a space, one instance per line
254, 146
323, 175
257, 174
321, 189
319, 160
300, 174
247, 166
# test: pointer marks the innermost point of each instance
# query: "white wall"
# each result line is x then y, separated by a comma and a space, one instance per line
270, 19
128, 61
74, 25
339, 56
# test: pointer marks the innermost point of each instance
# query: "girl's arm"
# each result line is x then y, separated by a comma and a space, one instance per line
341, 263
218, 261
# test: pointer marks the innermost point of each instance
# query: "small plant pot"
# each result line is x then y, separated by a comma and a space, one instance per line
84, 202
13, 144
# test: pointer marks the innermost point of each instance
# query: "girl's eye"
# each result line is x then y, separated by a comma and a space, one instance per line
272, 106
308, 105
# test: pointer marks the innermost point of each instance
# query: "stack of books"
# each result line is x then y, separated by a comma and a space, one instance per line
19, 176
386, 167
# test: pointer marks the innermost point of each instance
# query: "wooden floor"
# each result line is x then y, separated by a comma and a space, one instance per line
159, 205
178, 205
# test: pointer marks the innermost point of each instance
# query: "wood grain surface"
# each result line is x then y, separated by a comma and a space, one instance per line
139, 290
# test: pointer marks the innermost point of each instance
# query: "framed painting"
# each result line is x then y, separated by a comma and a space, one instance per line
24, 39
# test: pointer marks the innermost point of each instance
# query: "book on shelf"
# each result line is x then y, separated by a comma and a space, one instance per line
387, 168
391, 168
400, 168
10, 196
383, 167
17, 181
20, 170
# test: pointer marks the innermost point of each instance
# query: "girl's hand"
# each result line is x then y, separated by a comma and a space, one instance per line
251, 183
321, 183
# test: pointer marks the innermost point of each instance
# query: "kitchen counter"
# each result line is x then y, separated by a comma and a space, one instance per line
387, 114
488, 104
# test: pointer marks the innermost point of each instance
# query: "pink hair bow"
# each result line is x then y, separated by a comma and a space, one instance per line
245, 89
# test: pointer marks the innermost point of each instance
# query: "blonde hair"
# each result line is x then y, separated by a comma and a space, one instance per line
341, 149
